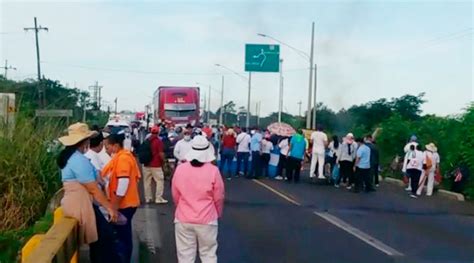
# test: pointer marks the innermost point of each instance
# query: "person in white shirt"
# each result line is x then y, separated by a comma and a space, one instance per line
127, 143
267, 147
284, 146
430, 165
96, 146
413, 141
345, 160
243, 152
320, 142
183, 147
413, 166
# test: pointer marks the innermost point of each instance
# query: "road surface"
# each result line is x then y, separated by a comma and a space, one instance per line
273, 221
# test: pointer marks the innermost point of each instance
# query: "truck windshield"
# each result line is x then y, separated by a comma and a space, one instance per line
184, 113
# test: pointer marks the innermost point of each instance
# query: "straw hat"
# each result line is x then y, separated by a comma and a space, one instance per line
201, 150
76, 133
431, 147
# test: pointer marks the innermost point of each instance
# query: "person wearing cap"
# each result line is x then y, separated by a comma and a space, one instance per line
413, 141
295, 155
430, 165
122, 190
80, 184
347, 155
154, 169
243, 152
319, 139
198, 193
182, 147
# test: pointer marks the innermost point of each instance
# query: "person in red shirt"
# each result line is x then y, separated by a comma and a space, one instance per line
228, 152
154, 169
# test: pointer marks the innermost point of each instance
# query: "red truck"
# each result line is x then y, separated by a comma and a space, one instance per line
178, 105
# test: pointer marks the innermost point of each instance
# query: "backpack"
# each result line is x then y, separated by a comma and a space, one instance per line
429, 162
144, 153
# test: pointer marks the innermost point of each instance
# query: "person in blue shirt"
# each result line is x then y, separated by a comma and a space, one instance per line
255, 148
80, 183
362, 168
295, 156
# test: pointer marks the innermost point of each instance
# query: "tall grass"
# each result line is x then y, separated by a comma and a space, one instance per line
28, 172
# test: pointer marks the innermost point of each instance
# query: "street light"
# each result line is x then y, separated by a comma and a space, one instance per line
248, 97
309, 58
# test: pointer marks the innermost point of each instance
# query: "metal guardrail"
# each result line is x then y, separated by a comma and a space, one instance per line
59, 244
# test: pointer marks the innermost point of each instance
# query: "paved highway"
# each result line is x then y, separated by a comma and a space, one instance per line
273, 221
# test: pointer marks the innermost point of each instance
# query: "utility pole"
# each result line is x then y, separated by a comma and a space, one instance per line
308, 115
115, 102
315, 89
257, 112
221, 114
299, 105
280, 101
6, 68
96, 94
209, 106
37, 29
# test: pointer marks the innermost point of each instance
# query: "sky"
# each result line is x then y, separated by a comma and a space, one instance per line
364, 50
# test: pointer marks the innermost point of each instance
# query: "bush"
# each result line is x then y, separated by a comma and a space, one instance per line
28, 173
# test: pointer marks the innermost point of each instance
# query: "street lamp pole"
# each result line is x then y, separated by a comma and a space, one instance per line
315, 90
222, 103
209, 105
247, 123
280, 102
308, 115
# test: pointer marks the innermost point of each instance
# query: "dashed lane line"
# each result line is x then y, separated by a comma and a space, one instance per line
339, 223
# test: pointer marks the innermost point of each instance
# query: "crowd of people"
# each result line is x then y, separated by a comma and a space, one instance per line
100, 176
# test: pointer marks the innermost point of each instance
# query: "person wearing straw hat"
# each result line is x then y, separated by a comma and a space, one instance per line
198, 194
80, 184
345, 160
430, 164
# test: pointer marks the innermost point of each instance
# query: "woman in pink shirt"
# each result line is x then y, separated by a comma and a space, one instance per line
198, 193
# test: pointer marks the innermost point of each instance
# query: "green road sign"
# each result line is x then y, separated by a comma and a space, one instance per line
262, 58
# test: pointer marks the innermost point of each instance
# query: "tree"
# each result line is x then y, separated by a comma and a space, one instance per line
409, 106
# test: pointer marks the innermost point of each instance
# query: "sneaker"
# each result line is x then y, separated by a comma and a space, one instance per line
377, 185
312, 175
413, 196
336, 185
408, 189
321, 177
349, 187
278, 177
149, 201
229, 178
161, 201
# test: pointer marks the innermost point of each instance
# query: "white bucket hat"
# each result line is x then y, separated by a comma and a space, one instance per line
76, 133
201, 150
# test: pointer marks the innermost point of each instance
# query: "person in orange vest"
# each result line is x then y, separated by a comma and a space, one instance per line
123, 176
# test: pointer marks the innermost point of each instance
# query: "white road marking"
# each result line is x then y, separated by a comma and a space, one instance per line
359, 234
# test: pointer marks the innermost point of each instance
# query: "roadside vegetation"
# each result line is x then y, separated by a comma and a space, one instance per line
29, 176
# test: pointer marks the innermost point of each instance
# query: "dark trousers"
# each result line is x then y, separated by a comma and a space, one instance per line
124, 233
265, 159
414, 175
282, 164
346, 172
105, 248
375, 173
256, 165
363, 178
227, 156
294, 168
243, 157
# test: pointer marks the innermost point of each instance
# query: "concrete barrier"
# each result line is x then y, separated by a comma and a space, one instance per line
59, 244
441, 192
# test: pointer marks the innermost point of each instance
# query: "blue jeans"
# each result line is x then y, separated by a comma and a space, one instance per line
227, 156
124, 233
243, 156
